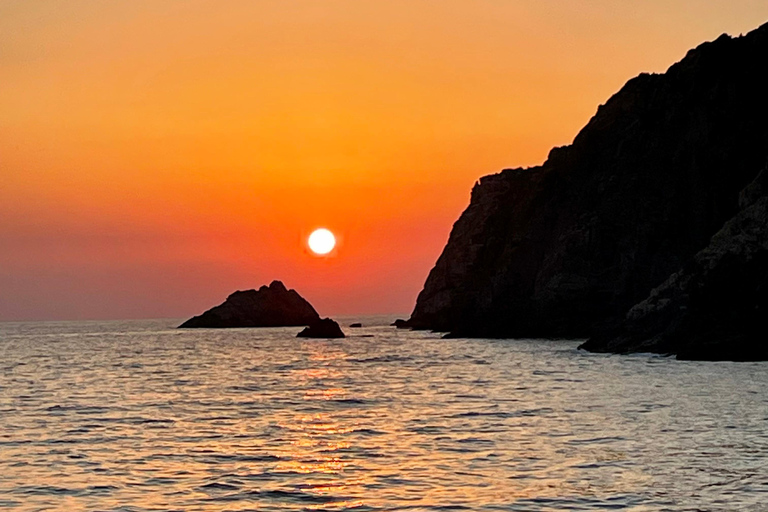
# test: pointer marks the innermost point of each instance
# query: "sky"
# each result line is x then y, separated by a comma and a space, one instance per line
157, 155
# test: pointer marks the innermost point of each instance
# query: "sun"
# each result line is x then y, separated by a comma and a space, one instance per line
321, 241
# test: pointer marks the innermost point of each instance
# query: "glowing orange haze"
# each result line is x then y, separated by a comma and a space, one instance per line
156, 156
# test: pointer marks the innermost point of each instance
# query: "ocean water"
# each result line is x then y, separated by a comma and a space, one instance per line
137, 416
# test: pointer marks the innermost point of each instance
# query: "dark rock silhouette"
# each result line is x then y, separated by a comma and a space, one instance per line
322, 328
716, 306
400, 324
356, 324
567, 248
269, 306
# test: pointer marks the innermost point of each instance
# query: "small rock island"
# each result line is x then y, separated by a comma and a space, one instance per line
323, 328
269, 306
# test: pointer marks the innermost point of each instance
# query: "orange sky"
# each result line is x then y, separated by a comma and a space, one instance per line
157, 155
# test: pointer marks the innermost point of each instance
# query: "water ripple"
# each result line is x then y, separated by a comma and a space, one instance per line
137, 416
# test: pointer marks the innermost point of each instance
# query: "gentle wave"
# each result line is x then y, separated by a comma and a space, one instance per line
137, 416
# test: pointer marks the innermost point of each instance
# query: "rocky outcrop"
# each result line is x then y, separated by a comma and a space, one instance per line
716, 306
567, 248
269, 306
322, 328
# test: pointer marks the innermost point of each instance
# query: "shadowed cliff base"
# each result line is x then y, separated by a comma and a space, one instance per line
566, 249
716, 306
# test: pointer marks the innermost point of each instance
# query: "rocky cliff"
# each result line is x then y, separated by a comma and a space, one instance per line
269, 306
716, 306
567, 248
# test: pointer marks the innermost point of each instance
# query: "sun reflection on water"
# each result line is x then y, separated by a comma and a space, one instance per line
257, 420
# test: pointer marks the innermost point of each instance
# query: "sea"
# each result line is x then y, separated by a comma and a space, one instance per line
141, 416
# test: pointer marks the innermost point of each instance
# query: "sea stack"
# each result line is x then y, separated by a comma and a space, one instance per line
322, 328
569, 248
269, 306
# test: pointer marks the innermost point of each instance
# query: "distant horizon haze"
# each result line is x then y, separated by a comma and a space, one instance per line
156, 156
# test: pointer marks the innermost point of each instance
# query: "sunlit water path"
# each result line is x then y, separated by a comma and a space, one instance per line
138, 416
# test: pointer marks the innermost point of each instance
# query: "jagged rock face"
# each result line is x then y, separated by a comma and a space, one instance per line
269, 306
716, 306
559, 249
323, 328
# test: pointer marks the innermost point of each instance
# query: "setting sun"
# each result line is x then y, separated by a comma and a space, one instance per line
321, 241
383, 255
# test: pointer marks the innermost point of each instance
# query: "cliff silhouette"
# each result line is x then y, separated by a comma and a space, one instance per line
568, 248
